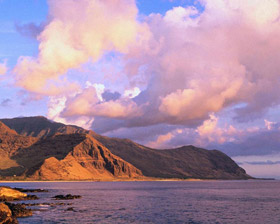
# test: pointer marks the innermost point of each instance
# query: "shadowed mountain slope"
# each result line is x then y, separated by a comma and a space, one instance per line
10, 142
59, 157
72, 157
184, 162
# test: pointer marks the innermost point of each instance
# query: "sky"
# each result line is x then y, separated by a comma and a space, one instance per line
162, 73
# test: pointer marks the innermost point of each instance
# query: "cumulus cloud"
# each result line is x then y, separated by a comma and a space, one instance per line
181, 71
57, 104
78, 31
190, 67
207, 66
87, 103
3, 68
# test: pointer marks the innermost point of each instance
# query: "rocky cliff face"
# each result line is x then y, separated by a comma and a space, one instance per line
59, 157
74, 157
10, 142
73, 150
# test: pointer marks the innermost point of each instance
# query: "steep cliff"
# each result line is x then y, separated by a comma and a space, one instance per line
59, 157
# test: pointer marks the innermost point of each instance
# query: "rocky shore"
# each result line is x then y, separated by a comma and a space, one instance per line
10, 211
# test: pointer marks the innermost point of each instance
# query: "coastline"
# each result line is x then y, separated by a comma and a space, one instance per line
113, 180
134, 180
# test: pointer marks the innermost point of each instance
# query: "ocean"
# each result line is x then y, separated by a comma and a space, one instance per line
193, 202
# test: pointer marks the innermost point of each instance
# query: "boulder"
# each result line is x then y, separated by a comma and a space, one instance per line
19, 210
66, 197
9, 194
6, 216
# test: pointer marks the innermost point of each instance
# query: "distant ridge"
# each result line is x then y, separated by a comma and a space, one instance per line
133, 159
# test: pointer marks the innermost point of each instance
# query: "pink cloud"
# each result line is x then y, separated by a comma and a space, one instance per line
78, 31
3, 68
224, 57
191, 68
87, 103
171, 70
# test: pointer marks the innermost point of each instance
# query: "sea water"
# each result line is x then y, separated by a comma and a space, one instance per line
158, 202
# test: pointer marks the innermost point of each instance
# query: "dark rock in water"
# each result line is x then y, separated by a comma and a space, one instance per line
70, 209
30, 190
31, 197
45, 203
6, 216
66, 197
19, 210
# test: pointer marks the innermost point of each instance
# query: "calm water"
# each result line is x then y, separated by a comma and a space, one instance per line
160, 202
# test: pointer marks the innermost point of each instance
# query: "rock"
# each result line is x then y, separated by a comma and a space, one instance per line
19, 210
66, 197
70, 209
30, 197
6, 216
45, 203
9, 194
30, 190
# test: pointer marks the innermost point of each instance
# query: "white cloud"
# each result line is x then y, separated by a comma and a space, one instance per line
131, 93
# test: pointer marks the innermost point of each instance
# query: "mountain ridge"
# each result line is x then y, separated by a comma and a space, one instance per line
184, 162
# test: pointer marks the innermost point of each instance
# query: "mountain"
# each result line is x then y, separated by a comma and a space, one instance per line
10, 142
39, 127
59, 157
68, 149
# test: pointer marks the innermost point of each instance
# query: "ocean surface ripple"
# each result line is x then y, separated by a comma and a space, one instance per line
196, 202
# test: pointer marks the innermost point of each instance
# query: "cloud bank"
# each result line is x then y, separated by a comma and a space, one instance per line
179, 74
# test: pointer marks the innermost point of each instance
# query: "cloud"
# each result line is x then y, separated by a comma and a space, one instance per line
56, 105
5, 102
212, 134
88, 103
132, 93
262, 171
186, 77
30, 30
260, 166
3, 68
107, 95
78, 32
161, 140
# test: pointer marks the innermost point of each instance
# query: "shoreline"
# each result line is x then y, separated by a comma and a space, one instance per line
85, 181
132, 180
